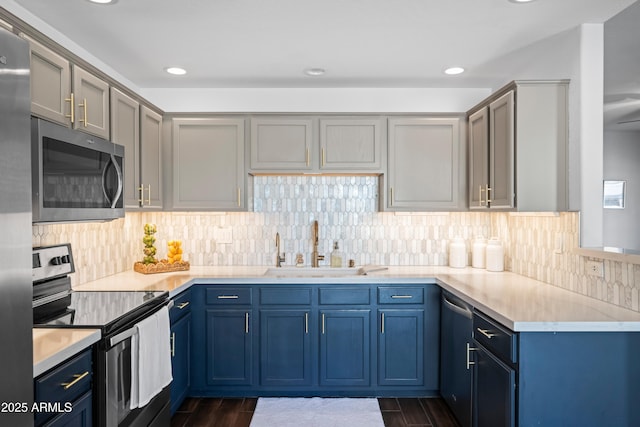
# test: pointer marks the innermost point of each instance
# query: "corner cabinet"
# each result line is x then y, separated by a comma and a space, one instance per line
518, 143
425, 164
208, 164
67, 94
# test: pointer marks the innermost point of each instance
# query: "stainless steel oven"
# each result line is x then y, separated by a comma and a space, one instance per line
75, 176
116, 314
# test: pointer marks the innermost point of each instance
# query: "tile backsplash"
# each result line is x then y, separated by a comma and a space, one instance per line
536, 245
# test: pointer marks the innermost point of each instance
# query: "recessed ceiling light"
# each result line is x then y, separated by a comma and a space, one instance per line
454, 70
315, 71
521, 1
176, 71
103, 1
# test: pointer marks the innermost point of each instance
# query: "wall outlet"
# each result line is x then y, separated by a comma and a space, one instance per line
595, 268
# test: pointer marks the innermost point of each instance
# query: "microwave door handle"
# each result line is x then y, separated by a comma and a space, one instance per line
113, 201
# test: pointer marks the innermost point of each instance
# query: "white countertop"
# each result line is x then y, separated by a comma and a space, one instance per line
52, 346
520, 303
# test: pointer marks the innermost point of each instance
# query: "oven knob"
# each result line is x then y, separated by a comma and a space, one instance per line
56, 260
65, 259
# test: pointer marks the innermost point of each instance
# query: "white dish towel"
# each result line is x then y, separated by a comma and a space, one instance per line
150, 358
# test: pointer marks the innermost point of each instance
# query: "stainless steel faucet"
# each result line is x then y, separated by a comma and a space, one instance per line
279, 259
315, 257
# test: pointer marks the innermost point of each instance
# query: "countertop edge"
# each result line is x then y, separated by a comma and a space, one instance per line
65, 353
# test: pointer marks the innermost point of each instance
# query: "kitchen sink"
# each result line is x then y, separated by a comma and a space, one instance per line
320, 271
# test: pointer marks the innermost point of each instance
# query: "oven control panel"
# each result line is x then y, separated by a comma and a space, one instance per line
52, 261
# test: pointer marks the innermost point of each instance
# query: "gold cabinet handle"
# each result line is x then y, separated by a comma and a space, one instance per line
246, 323
238, 196
322, 162
183, 305
489, 189
382, 323
391, 196
322, 323
480, 190
173, 344
72, 107
77, 378
306, 323
469, 350
149, 194
141, 191
84, 109
307, 155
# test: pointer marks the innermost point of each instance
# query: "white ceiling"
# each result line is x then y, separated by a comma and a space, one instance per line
268, 43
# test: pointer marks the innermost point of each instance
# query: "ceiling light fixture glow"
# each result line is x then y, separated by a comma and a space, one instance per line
176, 71
103, 1
315, 71
521, 1
452, 71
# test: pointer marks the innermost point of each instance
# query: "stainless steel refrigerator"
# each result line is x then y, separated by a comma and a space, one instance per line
16, 318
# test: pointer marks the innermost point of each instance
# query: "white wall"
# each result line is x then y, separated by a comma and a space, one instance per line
621, 159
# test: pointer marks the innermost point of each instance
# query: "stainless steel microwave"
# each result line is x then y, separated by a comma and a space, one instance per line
75, 176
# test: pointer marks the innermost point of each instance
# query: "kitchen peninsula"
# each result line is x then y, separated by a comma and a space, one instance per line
556, 340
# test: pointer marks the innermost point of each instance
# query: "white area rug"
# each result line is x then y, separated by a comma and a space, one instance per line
316, 412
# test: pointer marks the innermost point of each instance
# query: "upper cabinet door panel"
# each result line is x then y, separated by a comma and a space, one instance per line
208, 164
347, 144
92, 103
281, 144
125, 131
478, 158
151, 159
50, 84
501, 152
424, 164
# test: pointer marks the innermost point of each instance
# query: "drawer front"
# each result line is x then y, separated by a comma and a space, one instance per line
67, 382
400, 295
343, 296
181, 305
285, 296
495, 337
227, 296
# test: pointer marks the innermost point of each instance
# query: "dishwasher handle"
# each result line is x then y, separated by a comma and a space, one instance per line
456, 307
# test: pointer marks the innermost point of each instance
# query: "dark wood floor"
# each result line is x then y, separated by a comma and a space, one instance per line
237, 412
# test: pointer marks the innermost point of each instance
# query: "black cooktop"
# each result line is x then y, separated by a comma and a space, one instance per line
105, 310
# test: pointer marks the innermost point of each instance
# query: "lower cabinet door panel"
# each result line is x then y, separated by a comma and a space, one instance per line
228, 336
401, 347
80, 416
285, 348
180, 360
345, 341
495, 391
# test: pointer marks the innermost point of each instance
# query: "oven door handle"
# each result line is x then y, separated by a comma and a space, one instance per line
117, 339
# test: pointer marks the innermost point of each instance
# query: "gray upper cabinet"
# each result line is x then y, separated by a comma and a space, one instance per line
425, 157
281, 144
150, 158
208, 164
351, 145
91, 98
125, 130
67, 94
518, 142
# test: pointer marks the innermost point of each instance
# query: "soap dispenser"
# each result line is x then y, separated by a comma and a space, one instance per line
336, 256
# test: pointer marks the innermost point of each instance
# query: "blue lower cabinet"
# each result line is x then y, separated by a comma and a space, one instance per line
80, 416
495, 391
345, 343
285, 348
228, 347
180, 360
401, 347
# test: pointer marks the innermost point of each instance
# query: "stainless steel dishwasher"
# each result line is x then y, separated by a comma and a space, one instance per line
456, 344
